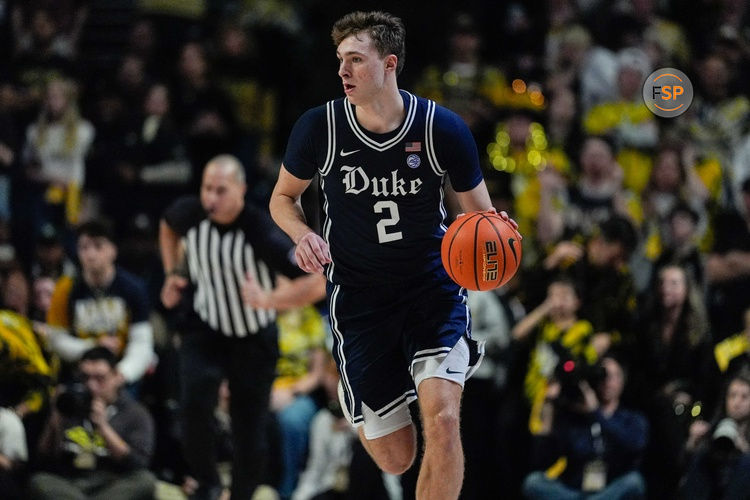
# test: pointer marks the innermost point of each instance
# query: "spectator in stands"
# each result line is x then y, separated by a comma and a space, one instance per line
241, 72
728, 268
42, 53
675, 367
104, 305
98, 440
27, 371
54, 158
732, 354
50, 257
600, 272
202, 108
132, 83
673, 180
596, 441
596, 196
299, 374
331, 438
560, 335
42, 289
627, 119
491, 322
715, 122
719, 451
39, 30
152, 167
681, 245
13, 452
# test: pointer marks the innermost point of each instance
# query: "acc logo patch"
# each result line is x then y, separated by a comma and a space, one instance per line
413, 161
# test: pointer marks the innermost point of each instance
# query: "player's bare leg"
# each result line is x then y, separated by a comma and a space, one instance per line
442, 472
393, 453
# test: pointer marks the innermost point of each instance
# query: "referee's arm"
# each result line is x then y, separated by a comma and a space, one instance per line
171, 255
288, 294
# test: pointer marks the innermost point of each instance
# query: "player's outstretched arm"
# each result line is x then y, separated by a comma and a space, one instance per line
286, 210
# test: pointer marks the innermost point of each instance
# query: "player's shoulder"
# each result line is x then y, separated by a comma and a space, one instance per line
444, 119
319, 114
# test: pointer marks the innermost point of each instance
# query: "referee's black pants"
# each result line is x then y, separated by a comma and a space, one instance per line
249, 364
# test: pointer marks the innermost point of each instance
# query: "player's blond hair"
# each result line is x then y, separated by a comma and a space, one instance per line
386, 31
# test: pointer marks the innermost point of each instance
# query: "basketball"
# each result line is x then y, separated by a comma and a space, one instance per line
481, 251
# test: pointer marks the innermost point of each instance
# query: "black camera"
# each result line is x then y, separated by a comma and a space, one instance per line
75, 400
570, 372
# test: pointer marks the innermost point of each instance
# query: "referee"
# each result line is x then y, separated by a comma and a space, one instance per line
225, 245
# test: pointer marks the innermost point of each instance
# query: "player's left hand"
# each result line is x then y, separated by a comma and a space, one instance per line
504, 215
312, 253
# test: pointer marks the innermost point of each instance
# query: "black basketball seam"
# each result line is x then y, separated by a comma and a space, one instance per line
450, 246
502, 245
476, 273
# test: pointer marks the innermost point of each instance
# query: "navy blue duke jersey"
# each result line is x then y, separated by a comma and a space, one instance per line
384, 213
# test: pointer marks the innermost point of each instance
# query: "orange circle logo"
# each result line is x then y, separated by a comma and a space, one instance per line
667, 92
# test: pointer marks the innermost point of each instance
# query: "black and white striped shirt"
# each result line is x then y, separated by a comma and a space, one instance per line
218, 257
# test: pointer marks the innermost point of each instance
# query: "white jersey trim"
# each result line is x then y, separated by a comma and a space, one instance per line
368, 141
340, 349
331, 152
430, 141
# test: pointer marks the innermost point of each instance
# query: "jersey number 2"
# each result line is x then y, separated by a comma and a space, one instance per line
383, 235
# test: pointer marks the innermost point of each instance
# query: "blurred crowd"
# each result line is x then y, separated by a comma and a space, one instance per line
618, 358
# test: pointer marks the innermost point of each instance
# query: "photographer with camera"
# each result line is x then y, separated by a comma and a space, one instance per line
720, 454
593, 444
558, 333
98, 441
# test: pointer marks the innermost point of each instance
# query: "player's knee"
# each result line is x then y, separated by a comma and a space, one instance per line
393, 453
443, 425
395, 461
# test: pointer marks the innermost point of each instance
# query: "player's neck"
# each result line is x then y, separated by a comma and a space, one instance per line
384, 113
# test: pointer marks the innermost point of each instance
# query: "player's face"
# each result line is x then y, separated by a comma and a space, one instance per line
96, 253
222, 195
361, 68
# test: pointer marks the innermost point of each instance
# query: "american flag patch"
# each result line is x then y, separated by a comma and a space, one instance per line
413, 147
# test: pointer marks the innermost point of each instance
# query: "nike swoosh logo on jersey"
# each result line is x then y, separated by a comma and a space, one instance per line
451, 372
347, 153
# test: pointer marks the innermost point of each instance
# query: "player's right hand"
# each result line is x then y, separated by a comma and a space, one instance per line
312, 253
171, 292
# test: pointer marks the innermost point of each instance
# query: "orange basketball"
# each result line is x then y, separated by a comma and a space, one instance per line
481, 251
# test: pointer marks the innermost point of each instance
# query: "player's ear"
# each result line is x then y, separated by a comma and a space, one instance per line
391, 62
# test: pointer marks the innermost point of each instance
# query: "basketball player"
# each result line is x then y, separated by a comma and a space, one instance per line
401, 327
